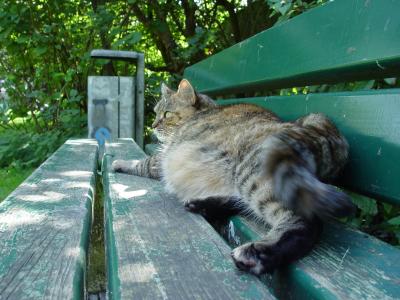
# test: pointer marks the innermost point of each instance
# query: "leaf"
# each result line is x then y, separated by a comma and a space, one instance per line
394, 221
364, 85
366, 205
133, 37
22, 39
39, 50
390, 81
73, 93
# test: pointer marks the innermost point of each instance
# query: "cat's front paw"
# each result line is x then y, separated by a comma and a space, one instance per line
118, 165
123, 166
255, 258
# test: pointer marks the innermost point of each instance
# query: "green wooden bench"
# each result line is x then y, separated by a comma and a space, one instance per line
45, 226
338, 42
342, 41
155, 249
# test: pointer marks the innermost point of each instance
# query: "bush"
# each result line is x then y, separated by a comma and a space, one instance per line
24, 147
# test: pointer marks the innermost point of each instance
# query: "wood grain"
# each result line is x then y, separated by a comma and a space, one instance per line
157, 250
45, 225
346, 264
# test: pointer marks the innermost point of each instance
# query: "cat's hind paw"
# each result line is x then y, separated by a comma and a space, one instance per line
255, 258
214, 208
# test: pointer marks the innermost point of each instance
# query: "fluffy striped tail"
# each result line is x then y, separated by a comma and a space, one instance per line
292, 164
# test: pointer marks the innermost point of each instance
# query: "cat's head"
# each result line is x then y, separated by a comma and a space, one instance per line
176, 107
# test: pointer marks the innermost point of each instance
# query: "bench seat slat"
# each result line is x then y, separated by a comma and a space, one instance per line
371, 123
45, 225
157, 250
345, 264
339, 41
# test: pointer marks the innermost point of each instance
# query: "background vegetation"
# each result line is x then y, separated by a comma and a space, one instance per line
44, 64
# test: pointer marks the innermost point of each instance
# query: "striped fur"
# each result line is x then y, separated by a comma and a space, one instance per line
276, 170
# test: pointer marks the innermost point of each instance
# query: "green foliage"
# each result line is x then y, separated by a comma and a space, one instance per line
43, 60
11, 178
21, 149
289, 8
377, 218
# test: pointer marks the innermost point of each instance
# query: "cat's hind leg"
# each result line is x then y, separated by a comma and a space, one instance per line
215, 208
288, 240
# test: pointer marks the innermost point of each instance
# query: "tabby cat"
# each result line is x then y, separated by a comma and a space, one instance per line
221, 159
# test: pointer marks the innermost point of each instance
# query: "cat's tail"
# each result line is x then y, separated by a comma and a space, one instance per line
293, 167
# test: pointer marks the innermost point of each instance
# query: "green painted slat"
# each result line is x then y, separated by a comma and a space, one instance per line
342, 40
346, 264
157, 250
45, 225
370, 120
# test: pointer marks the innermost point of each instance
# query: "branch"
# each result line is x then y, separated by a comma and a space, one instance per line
154, 68
230, 8
174, 16
189, 7
161, 34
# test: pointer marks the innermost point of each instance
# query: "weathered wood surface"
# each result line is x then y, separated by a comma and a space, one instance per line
157, 250
45, 225
346, 264
345, 40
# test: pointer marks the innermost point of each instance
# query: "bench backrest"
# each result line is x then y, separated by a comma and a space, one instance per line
346, 40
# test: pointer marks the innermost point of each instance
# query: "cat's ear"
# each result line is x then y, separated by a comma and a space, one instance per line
186, 91
165, 90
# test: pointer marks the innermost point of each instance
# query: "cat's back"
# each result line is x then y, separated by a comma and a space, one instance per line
247, 113
230, 126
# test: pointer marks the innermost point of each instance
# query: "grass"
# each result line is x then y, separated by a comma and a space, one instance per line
96, 268
11, 178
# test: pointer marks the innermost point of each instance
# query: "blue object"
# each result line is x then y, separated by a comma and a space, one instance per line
101, 135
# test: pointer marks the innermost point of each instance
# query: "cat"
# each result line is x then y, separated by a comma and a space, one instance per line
223, 159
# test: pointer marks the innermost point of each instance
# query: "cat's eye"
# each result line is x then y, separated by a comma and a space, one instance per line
168, 114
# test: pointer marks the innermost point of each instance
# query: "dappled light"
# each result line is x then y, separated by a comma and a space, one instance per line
82, 142
72, 252
51, 180
76, 174
139, 272
45, 225
45, 196
122, 192
20, 217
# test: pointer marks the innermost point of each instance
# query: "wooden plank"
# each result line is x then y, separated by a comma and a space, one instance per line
139, 101
45, 225
341, 40
157, 250
126, 113
346, 264
369, 120
106, 114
